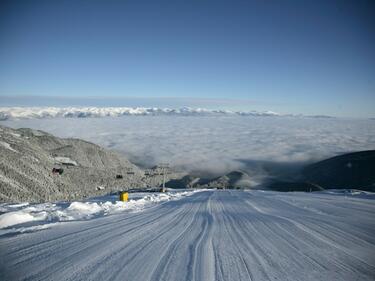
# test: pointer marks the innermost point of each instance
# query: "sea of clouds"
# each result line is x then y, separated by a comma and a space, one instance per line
216, 144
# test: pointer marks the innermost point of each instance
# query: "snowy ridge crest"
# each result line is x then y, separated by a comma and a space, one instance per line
85, 112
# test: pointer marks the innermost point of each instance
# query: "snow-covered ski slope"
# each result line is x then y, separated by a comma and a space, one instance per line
210, 235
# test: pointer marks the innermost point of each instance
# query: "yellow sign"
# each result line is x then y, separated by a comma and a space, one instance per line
124, 196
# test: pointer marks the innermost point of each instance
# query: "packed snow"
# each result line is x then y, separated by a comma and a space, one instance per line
210, 235
14, 216
65, 160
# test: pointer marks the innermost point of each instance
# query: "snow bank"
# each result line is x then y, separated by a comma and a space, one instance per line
65, 160
350, 193
7, 146
17, 215
83, 112
15, 218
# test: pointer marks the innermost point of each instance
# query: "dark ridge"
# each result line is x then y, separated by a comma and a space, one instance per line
353, 170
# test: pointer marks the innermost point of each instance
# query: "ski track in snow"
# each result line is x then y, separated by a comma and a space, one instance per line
211, 235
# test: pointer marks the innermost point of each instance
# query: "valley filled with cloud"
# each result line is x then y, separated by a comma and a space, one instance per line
213, 145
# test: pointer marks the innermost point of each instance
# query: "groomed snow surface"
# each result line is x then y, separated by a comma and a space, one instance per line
210, 235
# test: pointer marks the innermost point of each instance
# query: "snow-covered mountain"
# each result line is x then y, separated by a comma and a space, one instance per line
36, 166
81, 112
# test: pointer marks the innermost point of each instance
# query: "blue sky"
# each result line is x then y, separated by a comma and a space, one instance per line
313, 57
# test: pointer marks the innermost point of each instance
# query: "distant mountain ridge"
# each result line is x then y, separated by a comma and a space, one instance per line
85, 112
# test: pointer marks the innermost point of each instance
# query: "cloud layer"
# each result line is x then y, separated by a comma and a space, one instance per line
216, 144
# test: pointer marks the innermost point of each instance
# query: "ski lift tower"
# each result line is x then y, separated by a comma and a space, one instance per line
164, 169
